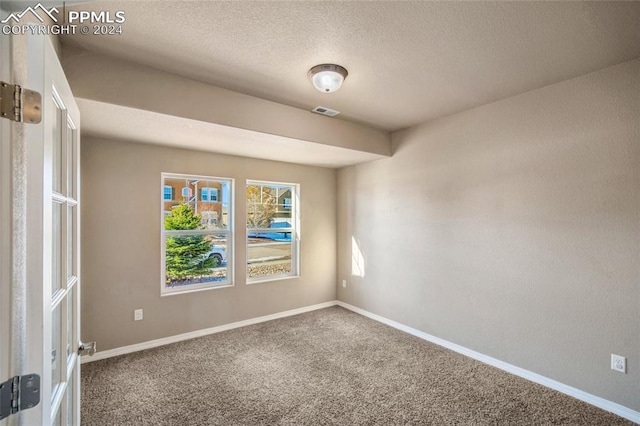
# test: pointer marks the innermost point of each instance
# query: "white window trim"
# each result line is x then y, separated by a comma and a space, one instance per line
294, 230
229, 232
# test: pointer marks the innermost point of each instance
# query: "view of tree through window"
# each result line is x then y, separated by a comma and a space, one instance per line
196, 232
186, 255
272, 237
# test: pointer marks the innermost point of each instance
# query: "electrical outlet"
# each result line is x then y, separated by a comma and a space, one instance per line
137, 315
344, 283
618, 363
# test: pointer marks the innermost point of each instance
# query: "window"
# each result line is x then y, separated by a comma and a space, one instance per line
272, 231
209, 195
167, 193
197, 235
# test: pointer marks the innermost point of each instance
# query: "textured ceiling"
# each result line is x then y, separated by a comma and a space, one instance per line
408, 62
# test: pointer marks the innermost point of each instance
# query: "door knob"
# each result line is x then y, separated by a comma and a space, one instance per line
87, 348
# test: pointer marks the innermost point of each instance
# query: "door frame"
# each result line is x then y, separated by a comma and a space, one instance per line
5, 218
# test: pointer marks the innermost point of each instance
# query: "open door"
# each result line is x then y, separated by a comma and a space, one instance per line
42, 293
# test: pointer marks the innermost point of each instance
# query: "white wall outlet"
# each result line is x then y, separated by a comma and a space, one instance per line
344, 283
618, 363
137, 315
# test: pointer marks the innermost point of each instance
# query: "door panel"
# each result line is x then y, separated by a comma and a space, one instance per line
53, 284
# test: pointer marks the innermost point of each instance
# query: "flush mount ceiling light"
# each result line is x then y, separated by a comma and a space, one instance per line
327, 78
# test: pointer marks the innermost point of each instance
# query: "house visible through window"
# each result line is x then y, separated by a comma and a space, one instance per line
197, 233
272, 231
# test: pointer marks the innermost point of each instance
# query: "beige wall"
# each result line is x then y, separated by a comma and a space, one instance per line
512, 229
121, 243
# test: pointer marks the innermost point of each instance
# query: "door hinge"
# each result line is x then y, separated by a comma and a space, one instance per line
18, 104
19, 393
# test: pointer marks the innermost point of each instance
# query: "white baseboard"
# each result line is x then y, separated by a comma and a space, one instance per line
199, 333
607, 405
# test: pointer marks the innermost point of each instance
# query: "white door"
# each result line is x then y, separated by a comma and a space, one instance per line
45, 311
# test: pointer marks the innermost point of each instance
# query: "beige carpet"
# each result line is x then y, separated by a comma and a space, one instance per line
327, 367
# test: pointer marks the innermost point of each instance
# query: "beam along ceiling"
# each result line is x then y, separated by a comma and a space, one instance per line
408, 62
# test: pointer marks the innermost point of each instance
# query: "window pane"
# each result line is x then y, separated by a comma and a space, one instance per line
70, 391
70, 322
56, 267
57, 148
57, 368
71, 164
71, 242
58, 420
198, 206
195, 259
268, 206
268, 257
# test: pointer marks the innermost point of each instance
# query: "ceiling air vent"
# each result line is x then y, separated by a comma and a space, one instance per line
325, 111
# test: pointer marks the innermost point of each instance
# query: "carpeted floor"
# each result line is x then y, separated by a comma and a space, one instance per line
327, 367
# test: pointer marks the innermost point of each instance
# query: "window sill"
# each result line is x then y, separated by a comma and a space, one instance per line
194, 290
251, 281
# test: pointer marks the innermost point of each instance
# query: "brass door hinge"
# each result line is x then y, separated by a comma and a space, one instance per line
18, 104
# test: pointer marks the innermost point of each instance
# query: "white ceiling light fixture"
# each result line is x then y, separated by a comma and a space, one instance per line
327, 78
